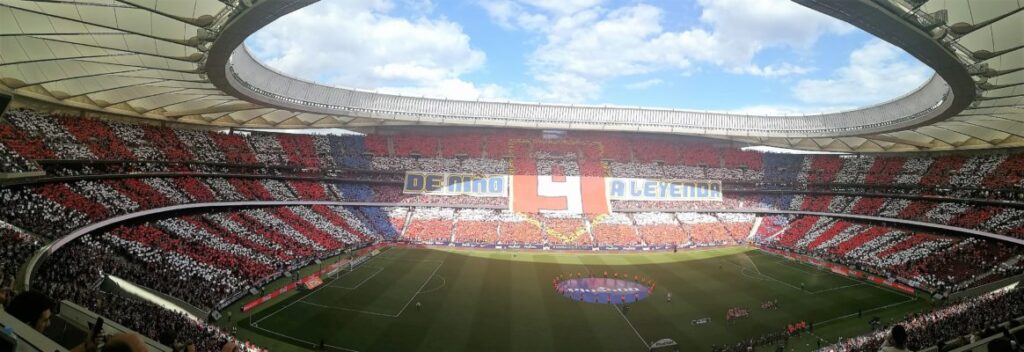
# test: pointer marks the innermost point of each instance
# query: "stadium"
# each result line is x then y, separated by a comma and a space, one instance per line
165, 186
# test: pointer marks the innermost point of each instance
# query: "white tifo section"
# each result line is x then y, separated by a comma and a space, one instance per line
570, 189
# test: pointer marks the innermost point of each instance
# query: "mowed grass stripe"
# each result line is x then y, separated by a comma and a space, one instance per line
352, 279
491, 323
455, 310
408, 331
616, 331
530, 300
584, 334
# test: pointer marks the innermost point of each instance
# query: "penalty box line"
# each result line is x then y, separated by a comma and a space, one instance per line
304, 297
794, 265
290, 304
887, 306
379, 269
425, 282
386, 315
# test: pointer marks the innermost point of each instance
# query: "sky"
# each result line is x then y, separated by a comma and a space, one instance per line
746, 56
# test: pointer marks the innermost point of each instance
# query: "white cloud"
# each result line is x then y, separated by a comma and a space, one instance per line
742, 28
512, 15
563, 88
641, 85
588, 44
786, 69
451, 88
358, 43
876, 72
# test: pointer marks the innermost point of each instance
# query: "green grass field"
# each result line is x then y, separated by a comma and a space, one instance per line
495, 300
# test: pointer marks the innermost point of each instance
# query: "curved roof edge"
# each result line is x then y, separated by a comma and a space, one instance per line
232, 69
166, 74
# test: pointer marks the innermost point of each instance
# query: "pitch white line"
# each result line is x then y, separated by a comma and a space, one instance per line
867, 311
632, 327
443, 283
290, 304
379, 269
303, 341
837, 288
348, 309
406, 260
764, 277
798, 266
421, 288
617, 309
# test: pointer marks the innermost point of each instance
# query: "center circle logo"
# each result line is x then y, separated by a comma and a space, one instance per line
604, 290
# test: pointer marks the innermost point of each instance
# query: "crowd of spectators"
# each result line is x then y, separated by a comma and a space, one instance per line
393, 193
35, 135
202, 259
615, 230
53, 209
939, 263
477, 226
225, 252
430, 224
953, 325
16, 247
12, 162
618, 230
74, 273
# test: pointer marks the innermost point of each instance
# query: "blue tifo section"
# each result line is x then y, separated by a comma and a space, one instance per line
603, 290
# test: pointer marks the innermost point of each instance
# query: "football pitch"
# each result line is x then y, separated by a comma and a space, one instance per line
414, 299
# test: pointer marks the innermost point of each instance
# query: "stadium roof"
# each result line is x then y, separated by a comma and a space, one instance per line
183, 61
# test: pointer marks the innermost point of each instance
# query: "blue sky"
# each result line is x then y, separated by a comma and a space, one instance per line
756, 56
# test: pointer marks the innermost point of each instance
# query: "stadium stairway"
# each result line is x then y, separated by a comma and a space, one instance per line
753, 229
1008, 263
405, 225
590, 230
455, 225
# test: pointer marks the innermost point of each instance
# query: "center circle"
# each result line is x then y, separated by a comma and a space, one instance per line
603, 290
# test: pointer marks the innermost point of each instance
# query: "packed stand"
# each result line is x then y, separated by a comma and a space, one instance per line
615, 230
477, 226
936, 263
952, 325
73, 273
431, 225
16, 247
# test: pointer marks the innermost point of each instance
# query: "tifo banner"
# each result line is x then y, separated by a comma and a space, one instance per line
451, 184
531, 193
566, 194
667, 190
